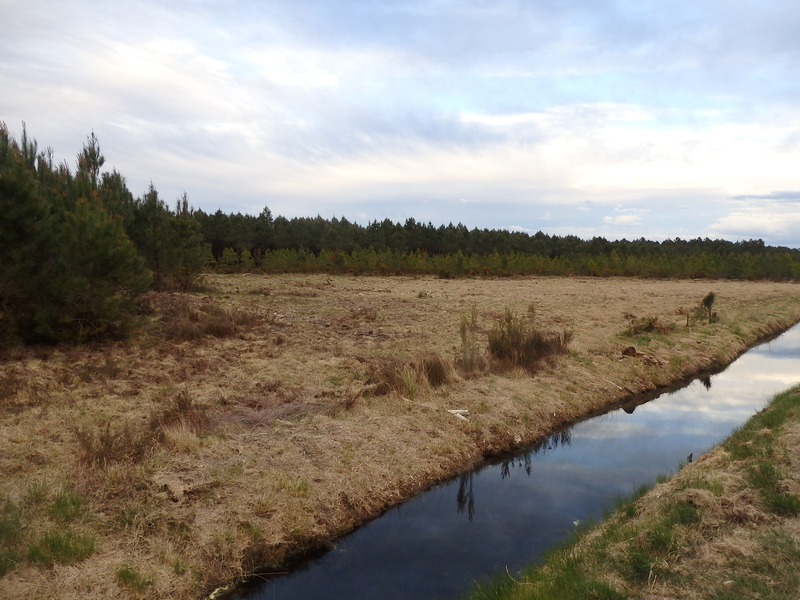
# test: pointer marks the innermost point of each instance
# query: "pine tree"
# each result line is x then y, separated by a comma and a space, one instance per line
69, 272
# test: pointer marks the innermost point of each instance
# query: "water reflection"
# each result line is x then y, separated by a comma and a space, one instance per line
465, 498
525, 459
425, 549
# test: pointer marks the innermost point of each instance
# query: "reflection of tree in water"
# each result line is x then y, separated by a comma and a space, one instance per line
466, 495
465, 498
706, 381
562, 438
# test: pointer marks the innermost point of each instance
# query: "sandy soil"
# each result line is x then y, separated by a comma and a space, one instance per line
199, 460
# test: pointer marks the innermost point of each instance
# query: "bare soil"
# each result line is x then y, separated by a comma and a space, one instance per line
270, 415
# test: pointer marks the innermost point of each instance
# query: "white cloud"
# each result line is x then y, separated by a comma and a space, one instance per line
626, 220
774, 222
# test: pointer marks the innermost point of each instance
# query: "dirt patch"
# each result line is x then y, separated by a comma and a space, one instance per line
274, 413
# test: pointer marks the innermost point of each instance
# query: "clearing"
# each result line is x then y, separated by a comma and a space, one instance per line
271, 414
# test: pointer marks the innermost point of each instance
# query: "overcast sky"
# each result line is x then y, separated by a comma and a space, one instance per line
626, 118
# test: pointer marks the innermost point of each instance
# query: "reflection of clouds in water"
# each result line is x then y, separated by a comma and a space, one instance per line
607, 427
718, 405
734, 394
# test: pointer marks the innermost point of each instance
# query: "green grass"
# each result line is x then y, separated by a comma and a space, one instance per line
566, 580
61, 547
37, 529
701, 483
10, 535
129, 577
769, 574
66, 506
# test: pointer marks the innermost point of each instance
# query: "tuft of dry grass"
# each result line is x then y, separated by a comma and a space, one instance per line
106, 444
438, 371
515, 342
181, 412
646, 325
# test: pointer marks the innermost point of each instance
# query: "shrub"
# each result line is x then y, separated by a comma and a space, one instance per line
707, 304
514, 342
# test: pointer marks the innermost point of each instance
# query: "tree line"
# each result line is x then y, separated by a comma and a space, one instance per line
241, 242
78, 248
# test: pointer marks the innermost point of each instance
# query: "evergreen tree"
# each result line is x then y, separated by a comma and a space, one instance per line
68, 272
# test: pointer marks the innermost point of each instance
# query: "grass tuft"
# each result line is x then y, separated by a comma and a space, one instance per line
129, 577
180, 411
514, 342
103, 445
62, 547
647, 325
438, 371
66, 506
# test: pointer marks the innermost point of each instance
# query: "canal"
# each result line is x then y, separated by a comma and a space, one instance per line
505, 514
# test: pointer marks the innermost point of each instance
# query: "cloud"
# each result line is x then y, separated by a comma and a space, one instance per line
626, 220
782, 197
780, 227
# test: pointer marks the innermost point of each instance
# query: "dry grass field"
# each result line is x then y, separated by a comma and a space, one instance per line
270, 414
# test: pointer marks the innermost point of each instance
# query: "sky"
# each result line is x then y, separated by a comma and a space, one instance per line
612, 118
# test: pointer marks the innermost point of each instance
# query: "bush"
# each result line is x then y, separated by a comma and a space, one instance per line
514, 342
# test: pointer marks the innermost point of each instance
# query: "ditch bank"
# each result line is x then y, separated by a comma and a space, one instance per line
507, 512
349, 549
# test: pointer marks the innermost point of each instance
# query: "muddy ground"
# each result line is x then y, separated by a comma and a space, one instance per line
270, 414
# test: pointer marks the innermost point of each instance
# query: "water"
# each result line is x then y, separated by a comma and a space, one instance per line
505, 515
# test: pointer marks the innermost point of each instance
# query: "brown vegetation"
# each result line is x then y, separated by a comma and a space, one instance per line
271, 414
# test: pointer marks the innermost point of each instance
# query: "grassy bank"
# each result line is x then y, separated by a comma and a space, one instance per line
724, 527
269, 415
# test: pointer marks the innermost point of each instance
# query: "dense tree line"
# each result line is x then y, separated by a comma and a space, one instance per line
245, 242
77, 247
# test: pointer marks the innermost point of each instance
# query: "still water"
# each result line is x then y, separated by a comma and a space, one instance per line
506, 514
